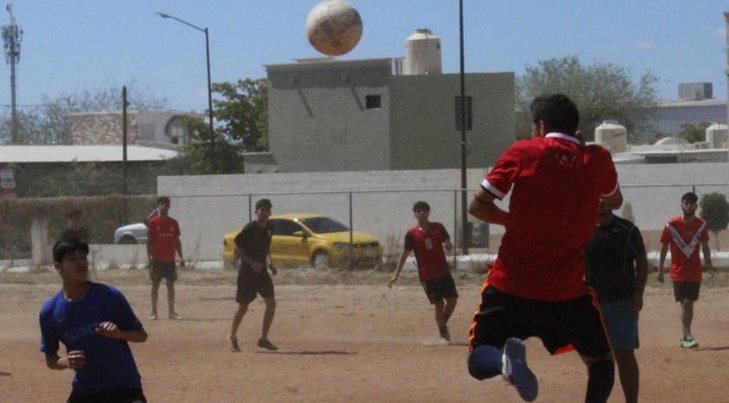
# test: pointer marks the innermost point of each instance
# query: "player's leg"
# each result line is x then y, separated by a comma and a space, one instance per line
267, 292
156, 280
171, 277
687, 317
629, 374
622, 324
245, 293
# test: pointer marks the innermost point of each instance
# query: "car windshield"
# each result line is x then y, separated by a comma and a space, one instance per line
323, 225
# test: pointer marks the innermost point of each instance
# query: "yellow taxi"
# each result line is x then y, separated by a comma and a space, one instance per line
316, 240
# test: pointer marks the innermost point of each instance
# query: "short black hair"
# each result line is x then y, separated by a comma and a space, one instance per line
74, 212
63, 248
690, 197
163, 200
557, 112
421, 205
263, 203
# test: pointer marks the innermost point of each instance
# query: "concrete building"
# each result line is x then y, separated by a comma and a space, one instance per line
147, 128
327, 115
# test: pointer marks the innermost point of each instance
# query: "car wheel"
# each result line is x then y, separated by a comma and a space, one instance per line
128, 240
320, 260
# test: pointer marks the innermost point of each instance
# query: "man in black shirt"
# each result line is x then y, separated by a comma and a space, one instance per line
74, 230
252, 246
617, 268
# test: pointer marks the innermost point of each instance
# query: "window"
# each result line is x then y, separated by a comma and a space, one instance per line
373, 101
285, 227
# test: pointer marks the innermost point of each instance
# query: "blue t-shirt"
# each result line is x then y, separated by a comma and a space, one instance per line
109, 362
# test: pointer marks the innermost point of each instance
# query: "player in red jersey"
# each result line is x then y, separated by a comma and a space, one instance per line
427, 240
536, 287
163, 240
685, 233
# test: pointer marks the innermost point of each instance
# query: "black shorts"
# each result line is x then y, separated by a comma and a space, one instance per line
686, 290
250, 284
163, 270
440, 288
575, 322
127, 395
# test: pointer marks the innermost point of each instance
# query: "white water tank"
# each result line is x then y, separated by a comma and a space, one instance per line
612, 136
717, 135
422, 53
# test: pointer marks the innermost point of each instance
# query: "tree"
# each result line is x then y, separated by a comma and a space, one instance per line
601, 91
50, 122
715, 211
243, 113
692, 133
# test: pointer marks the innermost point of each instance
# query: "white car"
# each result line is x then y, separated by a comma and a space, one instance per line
131, 234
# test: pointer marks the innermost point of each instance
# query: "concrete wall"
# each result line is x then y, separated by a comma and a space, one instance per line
423, 133
209, 206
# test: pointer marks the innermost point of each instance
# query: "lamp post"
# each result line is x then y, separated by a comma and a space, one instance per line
464, 216
210, 91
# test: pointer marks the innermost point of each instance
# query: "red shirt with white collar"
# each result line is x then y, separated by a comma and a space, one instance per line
556, 184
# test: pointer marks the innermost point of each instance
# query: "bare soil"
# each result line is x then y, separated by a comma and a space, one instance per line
346, 337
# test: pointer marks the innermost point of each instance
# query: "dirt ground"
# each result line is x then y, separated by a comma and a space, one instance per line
350, 343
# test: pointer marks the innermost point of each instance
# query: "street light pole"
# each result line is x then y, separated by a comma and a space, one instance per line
465, 237
210, 90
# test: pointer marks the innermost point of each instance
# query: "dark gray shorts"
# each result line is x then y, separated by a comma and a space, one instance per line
163, 270
686, 290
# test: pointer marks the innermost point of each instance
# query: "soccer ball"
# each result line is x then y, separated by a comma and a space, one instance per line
334, 27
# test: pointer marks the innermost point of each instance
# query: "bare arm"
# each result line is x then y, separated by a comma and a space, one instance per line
482, 207
662, 261
179, 251
398, 269
256, 266
448, 245
707, 257
111, 331
641, 276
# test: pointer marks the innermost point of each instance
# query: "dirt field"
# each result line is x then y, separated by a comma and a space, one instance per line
349, 343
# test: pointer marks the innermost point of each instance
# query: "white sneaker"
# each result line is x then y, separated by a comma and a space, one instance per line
515, 370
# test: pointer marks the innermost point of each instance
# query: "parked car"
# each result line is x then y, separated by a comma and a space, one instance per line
131, 234
311, 239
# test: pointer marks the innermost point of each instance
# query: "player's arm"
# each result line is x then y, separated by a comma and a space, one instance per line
256, 266
641, 269
398, 269
662, 261
179, 252
111, 331
707, 257
482, 207
74, 359
273, 268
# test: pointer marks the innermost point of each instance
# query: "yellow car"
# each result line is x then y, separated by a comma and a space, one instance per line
310, 239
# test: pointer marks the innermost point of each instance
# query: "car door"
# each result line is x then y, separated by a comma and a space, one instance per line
288, 245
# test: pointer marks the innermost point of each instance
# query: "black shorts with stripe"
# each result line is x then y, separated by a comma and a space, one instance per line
558, 324
440, 288
252, 284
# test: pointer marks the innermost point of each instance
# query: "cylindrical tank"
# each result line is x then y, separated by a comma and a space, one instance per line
422, 53
717, 135
612, 136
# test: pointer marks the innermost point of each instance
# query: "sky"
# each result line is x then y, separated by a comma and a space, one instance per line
82, 45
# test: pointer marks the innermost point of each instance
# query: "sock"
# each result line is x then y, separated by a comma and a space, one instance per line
600, 382
485, 362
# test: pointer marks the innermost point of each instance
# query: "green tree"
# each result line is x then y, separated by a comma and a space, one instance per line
601, 91
715, 211
243, 113
692, 133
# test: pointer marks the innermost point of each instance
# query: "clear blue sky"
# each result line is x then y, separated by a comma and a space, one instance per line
76, 45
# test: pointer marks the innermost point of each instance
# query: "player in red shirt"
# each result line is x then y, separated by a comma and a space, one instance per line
684, 234
536, 287
163, 240
427, 240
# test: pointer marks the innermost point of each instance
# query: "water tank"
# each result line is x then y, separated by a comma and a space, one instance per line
612, 136
717, 135
422, 53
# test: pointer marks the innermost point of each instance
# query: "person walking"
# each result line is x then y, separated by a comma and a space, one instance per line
428, 240
252, 247
684, 234
95, 323
163, 242
535, 287
617, 269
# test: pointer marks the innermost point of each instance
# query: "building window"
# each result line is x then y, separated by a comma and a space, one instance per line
373, 101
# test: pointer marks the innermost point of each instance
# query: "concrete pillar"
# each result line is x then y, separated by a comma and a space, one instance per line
41, 249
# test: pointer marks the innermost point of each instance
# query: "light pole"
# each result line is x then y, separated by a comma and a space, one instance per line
464, 205
210, 91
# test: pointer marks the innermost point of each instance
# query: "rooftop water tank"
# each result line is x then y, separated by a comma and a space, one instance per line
717, 135
612, 136
422, 53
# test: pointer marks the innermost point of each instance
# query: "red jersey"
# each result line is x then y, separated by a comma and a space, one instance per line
685, 239
557, 184
428, 248
163, 235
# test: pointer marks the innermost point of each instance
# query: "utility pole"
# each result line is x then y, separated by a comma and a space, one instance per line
12, 36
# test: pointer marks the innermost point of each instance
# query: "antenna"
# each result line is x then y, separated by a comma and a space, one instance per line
12, 36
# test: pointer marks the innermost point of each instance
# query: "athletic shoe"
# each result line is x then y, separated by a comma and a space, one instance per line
175, 316
445, 334
689, 342
515, 370
234, 344
152, 316
264, 343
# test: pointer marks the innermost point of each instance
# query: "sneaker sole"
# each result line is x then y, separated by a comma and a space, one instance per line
516, 371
